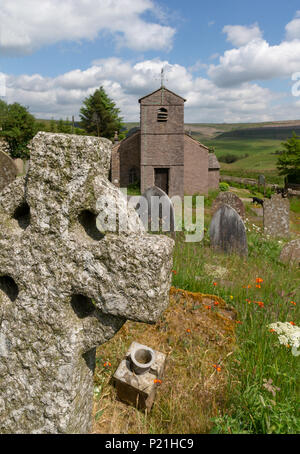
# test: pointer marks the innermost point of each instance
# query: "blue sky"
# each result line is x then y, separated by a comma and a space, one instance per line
232, 60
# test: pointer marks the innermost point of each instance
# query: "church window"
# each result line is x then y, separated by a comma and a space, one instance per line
162, 115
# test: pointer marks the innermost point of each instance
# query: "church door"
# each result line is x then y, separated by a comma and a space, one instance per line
162, 179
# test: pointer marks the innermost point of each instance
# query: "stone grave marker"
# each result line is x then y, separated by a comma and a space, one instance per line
290, 253
231, 199
227, 231
66, 288
159, 215
277, 216
8, 170
19, 163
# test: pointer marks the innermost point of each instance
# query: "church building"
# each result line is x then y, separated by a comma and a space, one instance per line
161, 154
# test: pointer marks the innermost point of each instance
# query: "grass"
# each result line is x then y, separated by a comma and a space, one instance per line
257, 387
260, 159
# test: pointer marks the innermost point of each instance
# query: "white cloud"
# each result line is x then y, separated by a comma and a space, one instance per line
239, 35
27, 25
256, 61
126, 82
293, 28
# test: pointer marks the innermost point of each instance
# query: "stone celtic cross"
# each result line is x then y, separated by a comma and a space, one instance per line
66, 288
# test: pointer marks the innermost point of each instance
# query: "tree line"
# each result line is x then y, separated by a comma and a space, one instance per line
99, 116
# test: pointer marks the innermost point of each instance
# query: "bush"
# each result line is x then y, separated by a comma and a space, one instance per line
224, 187
228, 158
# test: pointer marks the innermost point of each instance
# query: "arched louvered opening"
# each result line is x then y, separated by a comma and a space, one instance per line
162, 115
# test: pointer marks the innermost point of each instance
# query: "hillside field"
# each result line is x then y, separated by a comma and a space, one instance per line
261, 159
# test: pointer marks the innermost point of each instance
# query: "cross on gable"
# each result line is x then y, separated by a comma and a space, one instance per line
65, 288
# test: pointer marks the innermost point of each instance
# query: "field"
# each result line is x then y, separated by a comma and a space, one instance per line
226, 370
261, 157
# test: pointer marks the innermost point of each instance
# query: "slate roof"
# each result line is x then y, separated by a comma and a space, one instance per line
213, 163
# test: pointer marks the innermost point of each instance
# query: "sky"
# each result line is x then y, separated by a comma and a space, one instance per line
232, 60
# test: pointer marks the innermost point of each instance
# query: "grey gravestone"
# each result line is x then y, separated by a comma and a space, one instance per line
277, 216
19, 163
227, 231
290, 254
160, 210
8, 170
66, 288
261, 180
231, 199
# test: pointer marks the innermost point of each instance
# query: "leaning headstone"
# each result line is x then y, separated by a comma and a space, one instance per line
227, 231
19, 163
160, 210
66, 288
231, 199
290, 254
8, 170
277, 216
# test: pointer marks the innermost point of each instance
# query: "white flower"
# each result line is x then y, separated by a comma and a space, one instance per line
288, 333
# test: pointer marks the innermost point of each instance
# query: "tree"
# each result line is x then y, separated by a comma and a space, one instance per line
100, 116
18, 128
288, 163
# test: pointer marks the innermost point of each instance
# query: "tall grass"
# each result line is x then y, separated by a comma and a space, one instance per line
258, 358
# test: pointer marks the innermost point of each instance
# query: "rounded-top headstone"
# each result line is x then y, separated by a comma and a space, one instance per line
231, 199
228, 232
290, 254
165, 211
8, 170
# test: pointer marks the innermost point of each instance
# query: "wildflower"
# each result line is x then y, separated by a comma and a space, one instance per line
208, 307
259, 280
188, 331
239, 323
157, 381
258, 286
293, 303
249, 286
289, 333
174, 272
215, 284
107, 364
216, 303
217, 367
231, 297
272, 330
260, 303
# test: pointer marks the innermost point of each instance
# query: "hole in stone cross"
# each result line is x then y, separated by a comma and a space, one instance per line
82, 306
9, 287
88, 221
22, 215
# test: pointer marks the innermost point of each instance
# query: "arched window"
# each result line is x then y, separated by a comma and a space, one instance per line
162, 114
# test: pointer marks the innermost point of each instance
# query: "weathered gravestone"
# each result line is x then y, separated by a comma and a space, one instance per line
8, 170
159, 209
227, 231
19, 163
277, 216
65, 288
290, 254
231, 199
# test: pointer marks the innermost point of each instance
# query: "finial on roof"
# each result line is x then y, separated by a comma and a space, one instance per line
162, 77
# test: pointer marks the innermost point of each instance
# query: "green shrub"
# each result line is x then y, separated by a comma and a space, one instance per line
224, 186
